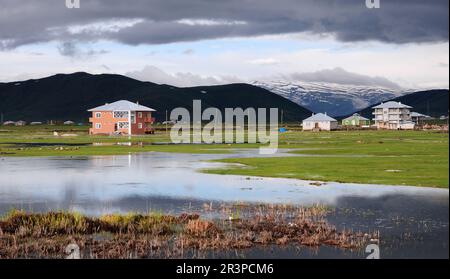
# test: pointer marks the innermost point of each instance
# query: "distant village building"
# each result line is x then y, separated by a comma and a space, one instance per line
20, 123
356, 120
35, 123
320, 122
393, 116
121, 117
69, 122
9, 123
418, 117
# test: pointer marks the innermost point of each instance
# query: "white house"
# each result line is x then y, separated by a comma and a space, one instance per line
9, 123
393, 116
320, 122
417, 117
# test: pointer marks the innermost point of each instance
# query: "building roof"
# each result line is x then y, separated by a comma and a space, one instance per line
417, 114
392, 104
356, 115
320, 117
122, 105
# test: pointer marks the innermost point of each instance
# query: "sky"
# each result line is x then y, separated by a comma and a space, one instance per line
401, 45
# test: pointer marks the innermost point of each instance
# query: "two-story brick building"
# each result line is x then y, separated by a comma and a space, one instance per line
121, 117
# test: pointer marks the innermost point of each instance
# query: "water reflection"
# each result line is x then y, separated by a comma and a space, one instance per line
97, 184
412, 221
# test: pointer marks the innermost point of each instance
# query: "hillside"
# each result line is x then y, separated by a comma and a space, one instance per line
431, 102
64, 97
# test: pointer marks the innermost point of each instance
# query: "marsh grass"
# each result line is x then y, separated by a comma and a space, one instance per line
25, 235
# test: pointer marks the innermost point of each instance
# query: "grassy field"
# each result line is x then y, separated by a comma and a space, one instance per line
413, 158
29, 141
377, 157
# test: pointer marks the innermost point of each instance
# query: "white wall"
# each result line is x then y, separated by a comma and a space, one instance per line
323, 125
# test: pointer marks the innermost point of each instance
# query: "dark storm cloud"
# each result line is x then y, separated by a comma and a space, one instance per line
166, 21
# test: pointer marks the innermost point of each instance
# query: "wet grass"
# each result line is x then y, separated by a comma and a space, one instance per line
26, 235
32, 141
412, 171
393, 158
415, 158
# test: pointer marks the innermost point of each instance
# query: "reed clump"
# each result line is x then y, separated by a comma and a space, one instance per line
45, 235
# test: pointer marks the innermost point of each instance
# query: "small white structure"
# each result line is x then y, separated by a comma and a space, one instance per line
320, 122
35, 123
20, 123
393, 116
69, 122
418, 117
9, 123
406, 125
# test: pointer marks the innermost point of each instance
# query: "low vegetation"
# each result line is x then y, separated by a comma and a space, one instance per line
376, 157
26, 235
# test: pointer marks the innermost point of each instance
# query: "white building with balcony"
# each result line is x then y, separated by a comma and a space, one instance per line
393, 116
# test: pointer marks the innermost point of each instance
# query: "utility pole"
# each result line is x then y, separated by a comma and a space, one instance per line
166, 123
448, 116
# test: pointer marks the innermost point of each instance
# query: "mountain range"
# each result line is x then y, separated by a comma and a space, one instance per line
69, 96
335, 99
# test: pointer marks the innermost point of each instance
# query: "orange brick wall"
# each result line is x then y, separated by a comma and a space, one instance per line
108, 123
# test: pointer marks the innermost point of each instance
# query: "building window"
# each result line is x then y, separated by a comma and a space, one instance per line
123, 125
140, 125
121, 114
133, 118
98, 115
140, 114
98, 126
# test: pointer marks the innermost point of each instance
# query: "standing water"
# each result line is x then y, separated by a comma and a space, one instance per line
173, 184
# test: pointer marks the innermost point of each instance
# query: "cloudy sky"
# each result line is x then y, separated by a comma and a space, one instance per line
403, 44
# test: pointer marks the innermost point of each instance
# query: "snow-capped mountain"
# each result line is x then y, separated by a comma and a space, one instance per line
335, 99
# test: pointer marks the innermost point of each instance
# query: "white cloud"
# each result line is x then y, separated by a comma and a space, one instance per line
186, 79
415, 66
210, 22
103, 26
264, 61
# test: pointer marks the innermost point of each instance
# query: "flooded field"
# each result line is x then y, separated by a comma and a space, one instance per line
412, 222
